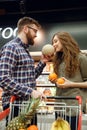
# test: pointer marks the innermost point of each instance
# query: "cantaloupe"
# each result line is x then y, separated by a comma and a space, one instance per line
48, 49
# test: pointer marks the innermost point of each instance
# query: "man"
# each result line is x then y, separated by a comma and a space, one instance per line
17, 71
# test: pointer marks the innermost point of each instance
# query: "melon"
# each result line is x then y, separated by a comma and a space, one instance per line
48, 49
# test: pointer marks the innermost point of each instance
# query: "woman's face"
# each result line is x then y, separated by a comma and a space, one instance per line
57, 44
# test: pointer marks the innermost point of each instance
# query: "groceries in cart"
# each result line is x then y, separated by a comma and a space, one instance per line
60, 124
32, 127
56, 119
24, 119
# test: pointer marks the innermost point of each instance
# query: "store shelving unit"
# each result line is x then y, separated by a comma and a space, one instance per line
42, 81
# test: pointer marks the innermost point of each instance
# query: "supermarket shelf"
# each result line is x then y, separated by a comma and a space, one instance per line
45, 85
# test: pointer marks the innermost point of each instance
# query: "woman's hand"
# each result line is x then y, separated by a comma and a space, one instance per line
70, 84
67, 83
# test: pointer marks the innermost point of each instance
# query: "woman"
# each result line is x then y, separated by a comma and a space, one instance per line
71, 64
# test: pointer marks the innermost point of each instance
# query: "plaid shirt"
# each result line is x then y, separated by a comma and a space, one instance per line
17, 71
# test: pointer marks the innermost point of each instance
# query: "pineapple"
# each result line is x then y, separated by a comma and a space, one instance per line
24, 119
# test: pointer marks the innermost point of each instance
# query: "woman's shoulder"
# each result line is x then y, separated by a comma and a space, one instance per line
83, 60
83, 65
82, 56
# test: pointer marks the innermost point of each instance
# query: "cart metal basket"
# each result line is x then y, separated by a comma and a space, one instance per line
48, 111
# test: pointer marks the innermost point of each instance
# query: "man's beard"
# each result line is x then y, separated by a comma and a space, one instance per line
30, 40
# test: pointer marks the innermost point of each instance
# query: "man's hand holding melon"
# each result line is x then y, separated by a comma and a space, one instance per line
48, 51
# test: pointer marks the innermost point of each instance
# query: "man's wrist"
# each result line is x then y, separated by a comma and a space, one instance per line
44, 63
30, 90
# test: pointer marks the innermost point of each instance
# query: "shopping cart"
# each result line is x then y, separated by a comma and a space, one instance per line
48, 111
60, 111
5, 113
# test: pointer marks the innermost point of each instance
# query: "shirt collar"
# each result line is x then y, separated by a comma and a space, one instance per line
21, 43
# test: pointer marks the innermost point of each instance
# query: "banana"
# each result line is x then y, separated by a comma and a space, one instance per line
59, 128
60, 124
65, 125
54, 125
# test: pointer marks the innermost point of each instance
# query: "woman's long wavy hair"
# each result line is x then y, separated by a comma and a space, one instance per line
69, 54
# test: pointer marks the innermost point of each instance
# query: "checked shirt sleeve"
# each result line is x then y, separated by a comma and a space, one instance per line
39, 68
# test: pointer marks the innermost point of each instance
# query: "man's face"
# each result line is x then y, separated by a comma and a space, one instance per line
31, 34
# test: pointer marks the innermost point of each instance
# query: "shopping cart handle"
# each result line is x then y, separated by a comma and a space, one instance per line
79, 98
65, 97
60, 97
4, 113
13, 98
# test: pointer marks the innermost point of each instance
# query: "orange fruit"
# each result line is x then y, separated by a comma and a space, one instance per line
32, 127
60, 80
21, 129
52, 76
